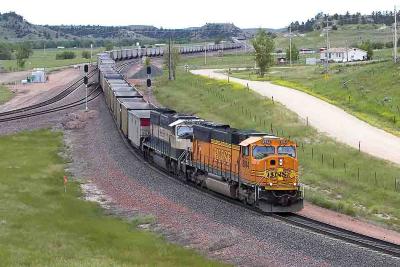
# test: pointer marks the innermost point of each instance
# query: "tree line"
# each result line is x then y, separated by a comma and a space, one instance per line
320, 20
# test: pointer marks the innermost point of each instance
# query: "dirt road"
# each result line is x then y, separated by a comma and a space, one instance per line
325, 117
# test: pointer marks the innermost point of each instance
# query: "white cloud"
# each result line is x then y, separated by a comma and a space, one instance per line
177, 14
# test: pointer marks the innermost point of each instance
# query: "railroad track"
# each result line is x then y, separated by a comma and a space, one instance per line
123, 64
340, 233
93, 94
67, 91
347, 236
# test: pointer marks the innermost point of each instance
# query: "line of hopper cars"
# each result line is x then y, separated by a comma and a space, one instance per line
256, 168
123, 54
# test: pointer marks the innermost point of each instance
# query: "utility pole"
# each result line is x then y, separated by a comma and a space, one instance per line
290, 44
169, 60
205, 53
395, 35
91, 53
327, 47
327, 33
347, 51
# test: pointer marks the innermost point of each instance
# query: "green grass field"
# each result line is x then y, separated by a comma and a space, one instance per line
228, 60
40, 225
347, 34
41, 59
5, 94
337, 176
370, 92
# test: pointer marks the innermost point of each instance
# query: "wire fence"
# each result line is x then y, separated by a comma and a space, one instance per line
342, 171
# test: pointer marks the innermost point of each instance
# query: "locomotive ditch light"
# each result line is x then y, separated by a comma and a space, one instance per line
280, 162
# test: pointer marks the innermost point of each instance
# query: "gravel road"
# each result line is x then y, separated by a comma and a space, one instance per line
184, 215
325, 117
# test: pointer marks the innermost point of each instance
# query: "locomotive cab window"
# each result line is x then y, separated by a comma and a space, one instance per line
184, 131
287, 150
260, 152
245, 150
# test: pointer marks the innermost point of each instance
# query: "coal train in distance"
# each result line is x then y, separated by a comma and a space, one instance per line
124, 54
256, 168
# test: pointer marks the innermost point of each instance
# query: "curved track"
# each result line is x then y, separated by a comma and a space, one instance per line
364, 241
55, 109
340, 233
67, 91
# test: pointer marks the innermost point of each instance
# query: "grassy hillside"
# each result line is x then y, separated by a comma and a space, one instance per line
350, 34
14, 27
40, 225
370, 92
337, 176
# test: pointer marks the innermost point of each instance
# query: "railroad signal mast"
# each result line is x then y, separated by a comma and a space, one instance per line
85, 81
148, 82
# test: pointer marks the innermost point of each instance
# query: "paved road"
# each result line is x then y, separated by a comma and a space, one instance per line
326, 118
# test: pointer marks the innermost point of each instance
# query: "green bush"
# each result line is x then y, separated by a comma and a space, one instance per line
86, 54
66, 55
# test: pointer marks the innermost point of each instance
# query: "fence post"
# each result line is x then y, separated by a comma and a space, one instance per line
322, 159
359, 146
376, 181
333, 162
358, 174
312, 153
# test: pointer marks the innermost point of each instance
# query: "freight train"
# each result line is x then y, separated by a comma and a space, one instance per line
258, 169
124, 54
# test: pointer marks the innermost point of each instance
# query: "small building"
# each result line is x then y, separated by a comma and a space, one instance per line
38, 76
342, 54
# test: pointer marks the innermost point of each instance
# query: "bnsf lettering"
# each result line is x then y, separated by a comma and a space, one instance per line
222, 155
273, 174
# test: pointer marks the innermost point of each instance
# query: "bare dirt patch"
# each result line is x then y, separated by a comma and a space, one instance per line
12, 77
192, 219
349, 223
29, 94
78, 119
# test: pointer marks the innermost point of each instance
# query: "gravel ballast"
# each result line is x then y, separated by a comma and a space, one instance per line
196, 219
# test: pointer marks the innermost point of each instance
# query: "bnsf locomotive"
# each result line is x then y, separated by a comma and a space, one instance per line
256, 168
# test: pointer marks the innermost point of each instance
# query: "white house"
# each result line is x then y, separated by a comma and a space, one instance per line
343, 54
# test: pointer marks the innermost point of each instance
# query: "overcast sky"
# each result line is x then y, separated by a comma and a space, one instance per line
185, 13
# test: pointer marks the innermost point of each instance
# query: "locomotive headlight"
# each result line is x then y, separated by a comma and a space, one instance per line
294, 184
270, 184
280, 162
